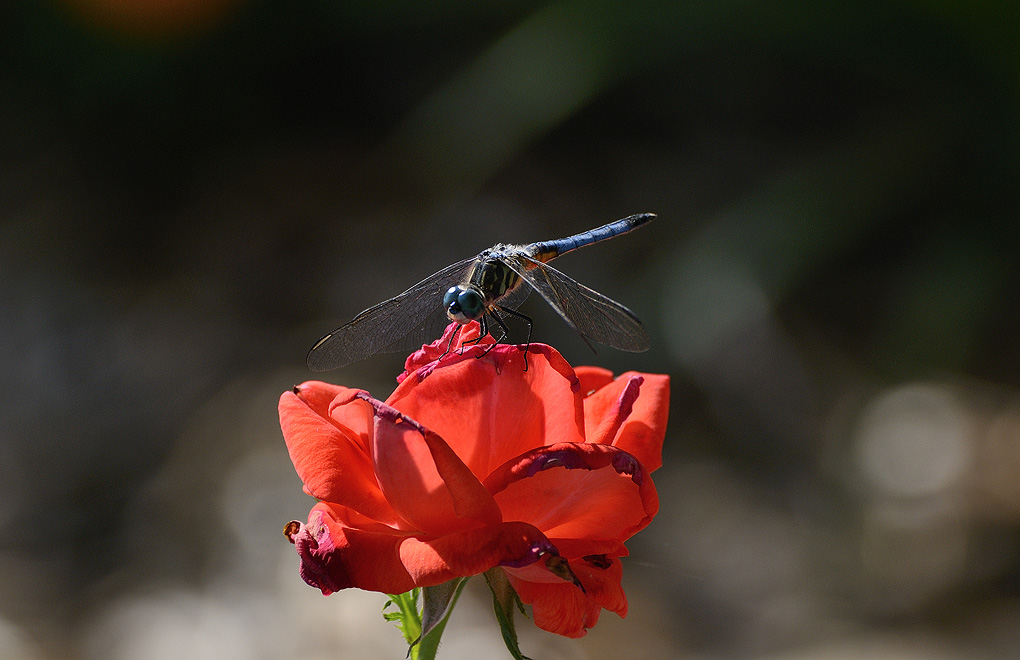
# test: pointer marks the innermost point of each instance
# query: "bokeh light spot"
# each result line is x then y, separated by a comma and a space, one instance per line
913, 441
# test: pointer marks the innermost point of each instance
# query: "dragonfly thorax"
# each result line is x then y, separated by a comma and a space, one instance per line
463, 304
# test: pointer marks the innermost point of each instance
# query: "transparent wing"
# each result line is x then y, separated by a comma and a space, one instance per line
427, 330
404, 321
591, 314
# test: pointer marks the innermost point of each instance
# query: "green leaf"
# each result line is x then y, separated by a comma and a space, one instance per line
437, 604
406, 617
504, 600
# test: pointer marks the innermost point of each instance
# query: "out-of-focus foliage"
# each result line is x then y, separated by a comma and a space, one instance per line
192, 193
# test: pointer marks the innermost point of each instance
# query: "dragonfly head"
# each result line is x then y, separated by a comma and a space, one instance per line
463, 304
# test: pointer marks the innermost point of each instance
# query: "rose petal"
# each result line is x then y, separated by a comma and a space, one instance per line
609, 420
474, 551
642, 432
336, 556
603, 493
329, 457
452, 340
423, 479
490, 410
601, 577
593, 378
559, 608
562, 608
575, 548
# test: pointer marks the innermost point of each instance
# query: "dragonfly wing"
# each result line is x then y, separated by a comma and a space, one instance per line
426, 331
391, 325
593, 315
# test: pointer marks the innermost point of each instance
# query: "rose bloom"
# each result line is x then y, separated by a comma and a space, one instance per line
480, 459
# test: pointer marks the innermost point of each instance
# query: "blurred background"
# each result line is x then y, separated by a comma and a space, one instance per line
193, 192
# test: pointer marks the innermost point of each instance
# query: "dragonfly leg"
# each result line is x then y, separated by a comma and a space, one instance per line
453, 338
526, 319
483, 329
499, 321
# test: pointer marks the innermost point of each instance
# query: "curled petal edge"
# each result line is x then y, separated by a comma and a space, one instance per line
560, 609
329, 456
574, 456
470, 500
630, 411
621, 410
334, 556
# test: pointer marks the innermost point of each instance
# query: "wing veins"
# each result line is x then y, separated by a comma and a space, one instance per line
588, 312
389, 325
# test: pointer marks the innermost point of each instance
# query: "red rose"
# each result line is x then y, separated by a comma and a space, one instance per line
474, 462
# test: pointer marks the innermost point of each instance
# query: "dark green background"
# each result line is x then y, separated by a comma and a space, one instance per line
183, 214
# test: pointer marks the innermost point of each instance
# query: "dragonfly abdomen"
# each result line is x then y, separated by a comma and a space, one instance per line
547, 250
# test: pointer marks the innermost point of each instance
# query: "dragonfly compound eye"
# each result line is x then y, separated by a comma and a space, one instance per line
450, 296
462, 304
470, 304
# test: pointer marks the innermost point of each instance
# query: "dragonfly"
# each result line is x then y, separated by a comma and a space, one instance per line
488, 288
